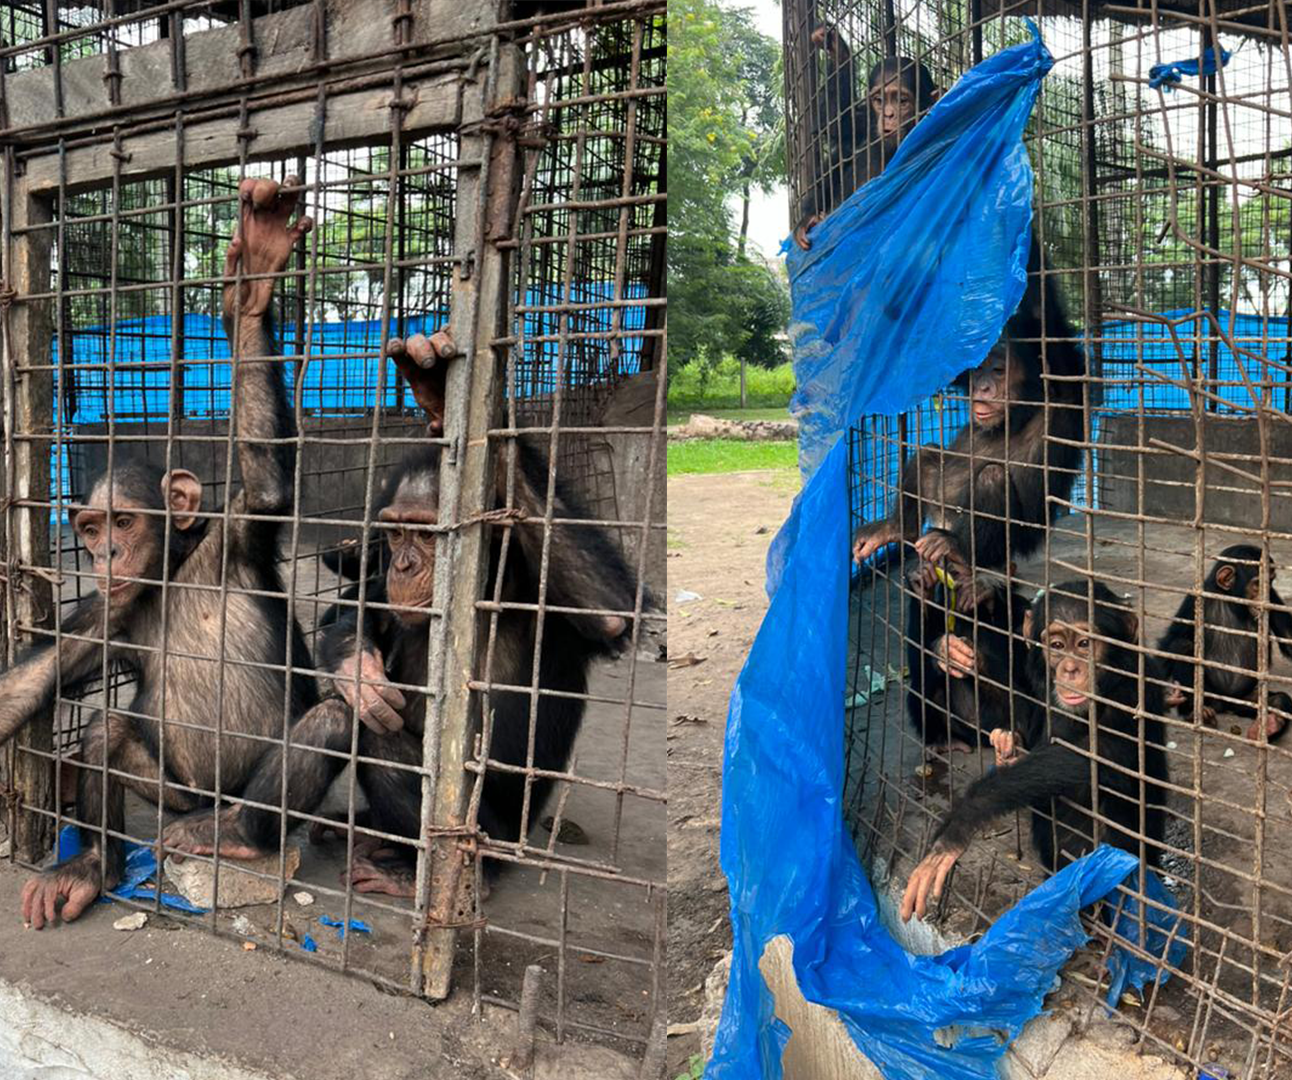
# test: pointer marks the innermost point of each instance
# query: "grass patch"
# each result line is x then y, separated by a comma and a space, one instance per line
729, 455
775, 412
695, 387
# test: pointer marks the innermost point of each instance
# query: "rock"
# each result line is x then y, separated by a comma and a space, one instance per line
242, 925
303, 898
700, 426
136, 921
195, 880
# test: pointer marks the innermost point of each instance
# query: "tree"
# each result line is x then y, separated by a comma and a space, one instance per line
725, 123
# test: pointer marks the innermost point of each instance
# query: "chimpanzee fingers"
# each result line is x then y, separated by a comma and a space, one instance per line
419, 349
302, 226
944, 865
49, 895
800, 238
287, 199
29, 892
377, 714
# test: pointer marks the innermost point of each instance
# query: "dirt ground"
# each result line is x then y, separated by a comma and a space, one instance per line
719, 529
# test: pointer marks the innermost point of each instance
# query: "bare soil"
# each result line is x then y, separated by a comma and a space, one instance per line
719, 529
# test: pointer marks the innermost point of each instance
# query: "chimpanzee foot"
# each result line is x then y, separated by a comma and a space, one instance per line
382, 870
1275, 725
76, 882
418, 360
194, 834
264, 241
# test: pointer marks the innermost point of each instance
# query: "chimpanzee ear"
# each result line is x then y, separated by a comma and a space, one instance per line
182, 493
1028, 623
1225, 577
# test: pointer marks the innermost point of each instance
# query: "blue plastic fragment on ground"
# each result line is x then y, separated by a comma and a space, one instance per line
355, 924
309, 944
1166, 76
944, 235
141, 865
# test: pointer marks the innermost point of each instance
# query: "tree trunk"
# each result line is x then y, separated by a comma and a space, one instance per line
744, 221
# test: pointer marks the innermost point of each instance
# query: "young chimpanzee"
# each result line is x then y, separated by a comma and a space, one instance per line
1070, 664
858, 139
584, 571
954, 686
1230, 642
224, 655
988, 495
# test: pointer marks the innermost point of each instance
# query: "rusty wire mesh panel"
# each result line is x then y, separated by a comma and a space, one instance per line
121, 198
1164, 222
585, 376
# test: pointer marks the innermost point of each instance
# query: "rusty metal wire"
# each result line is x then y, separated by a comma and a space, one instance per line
1163, 217
512, 190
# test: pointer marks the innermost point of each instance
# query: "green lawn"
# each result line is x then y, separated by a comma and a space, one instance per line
681, 416
729, 455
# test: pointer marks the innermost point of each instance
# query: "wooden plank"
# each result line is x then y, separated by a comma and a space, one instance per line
282, 130
31, 332
355, 29
478, 307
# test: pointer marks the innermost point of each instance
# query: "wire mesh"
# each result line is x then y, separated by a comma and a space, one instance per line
1162, 215
535, 244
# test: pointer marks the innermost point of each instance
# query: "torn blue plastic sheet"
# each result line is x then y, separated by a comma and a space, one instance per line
909, 282
309, 944
355, 924
906, 285
141, 865
1166, 76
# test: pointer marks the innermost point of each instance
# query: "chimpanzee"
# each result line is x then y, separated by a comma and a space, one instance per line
858, 139
1230, 643
954, 686
224, 656
988, 494
584, 571
1070, 662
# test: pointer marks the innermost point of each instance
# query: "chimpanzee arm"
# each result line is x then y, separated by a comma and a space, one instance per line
1280, 623
28, 687
1045, 773
345, 637
584, 566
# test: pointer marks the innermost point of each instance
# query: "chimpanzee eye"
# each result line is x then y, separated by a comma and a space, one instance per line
1083, 644
125, 521
1056, 644
90, 532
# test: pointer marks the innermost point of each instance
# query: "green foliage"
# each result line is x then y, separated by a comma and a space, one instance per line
697, 386
729, 455
724, 127
694, 1069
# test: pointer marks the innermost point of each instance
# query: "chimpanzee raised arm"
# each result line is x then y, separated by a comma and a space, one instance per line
1086, 673
214, 681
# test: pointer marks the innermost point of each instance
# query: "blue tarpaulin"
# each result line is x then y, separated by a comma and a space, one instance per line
906, 285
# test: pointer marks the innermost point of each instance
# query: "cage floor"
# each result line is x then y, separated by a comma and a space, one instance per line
602, 916
1240, 821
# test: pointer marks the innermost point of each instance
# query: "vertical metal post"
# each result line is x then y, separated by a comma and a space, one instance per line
28, 408
467, 484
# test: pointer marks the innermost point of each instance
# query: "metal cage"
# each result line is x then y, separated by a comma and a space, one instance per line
497, 177
1163, 216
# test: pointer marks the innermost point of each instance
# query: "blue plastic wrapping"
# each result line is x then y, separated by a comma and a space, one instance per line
141, 865
909, 282
1167, 75
945, 233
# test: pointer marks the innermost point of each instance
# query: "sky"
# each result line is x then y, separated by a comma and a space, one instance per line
769, 215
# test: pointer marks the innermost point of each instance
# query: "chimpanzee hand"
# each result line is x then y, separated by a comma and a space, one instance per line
378, 705
263, 242
801, 232
870, 538
1008, 747
1175, 696
937, 545
1273, 721
955, 655
827, 37
418, 362
928, 879
76, 882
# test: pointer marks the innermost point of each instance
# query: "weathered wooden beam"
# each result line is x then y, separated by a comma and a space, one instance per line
280, 130
284, 43
29, 405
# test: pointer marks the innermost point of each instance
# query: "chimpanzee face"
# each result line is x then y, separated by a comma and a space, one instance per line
993, 384
893, 106
410, 576
1072, 655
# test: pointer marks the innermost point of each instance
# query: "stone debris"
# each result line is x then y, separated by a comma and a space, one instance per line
135, 921
194, 880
